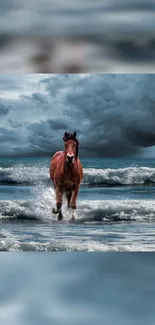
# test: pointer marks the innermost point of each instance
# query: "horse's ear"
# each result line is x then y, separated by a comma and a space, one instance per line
74, 135
65, 136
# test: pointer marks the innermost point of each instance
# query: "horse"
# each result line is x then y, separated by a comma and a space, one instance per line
66, 173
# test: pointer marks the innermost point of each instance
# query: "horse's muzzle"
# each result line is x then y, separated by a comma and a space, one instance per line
70, 159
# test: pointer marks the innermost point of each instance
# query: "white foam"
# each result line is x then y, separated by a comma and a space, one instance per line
74, 245
122, 176
87, 211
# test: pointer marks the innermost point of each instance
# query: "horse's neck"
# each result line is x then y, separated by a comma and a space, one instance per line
67, 168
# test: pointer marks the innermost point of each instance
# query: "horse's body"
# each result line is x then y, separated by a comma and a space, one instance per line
66, 173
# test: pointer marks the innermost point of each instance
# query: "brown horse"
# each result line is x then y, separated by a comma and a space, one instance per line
66, 173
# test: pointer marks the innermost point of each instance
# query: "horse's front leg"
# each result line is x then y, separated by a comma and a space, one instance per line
73, 202
68, 197
57, 208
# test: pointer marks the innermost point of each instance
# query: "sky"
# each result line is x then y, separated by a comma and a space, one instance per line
113, 114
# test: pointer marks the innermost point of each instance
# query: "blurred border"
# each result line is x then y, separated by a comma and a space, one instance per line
77, 37
77, 288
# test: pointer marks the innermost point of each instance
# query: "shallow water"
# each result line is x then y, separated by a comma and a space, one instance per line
28, 236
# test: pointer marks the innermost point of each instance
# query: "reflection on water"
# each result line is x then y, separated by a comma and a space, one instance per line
71, 288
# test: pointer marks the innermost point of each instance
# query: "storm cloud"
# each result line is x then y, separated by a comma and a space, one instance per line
4, 109
113, 115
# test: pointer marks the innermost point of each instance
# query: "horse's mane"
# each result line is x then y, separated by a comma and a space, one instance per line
71, 136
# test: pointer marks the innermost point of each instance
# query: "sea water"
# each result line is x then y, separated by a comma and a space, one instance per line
116, 207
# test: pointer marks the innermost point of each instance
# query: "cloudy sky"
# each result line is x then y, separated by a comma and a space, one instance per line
113, 115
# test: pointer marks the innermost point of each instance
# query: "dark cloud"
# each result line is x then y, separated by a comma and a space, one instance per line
39, 97
58, 124
119, 113
43, 137
7, 136
114, 115
4, 109
14, 125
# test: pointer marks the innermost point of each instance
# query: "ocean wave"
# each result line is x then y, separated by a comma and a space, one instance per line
23, 175
88, 211
121, 176
12, 245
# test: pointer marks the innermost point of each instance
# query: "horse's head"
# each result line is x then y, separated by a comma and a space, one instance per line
71, 147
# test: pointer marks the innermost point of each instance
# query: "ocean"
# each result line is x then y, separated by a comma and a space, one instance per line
116, 207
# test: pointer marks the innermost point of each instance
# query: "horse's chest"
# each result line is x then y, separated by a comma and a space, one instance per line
68, 181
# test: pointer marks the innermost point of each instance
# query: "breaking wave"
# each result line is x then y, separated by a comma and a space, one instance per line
121, 176
40, 210
14, 245
23, 175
